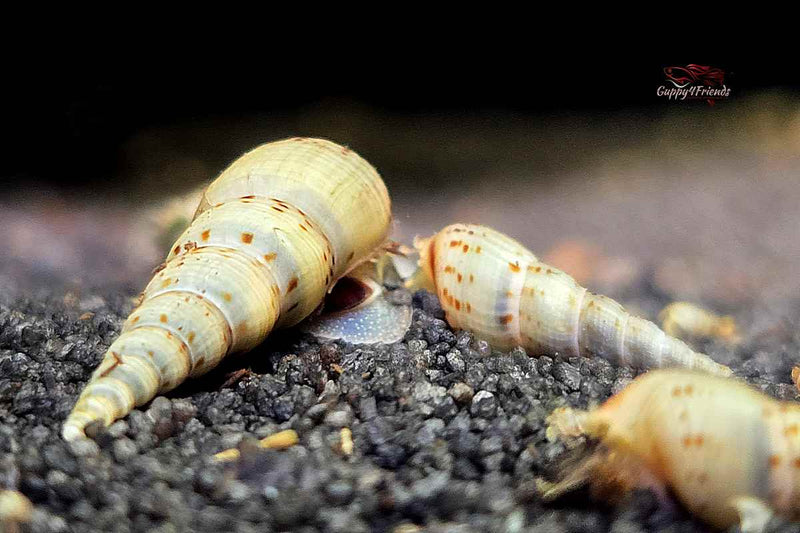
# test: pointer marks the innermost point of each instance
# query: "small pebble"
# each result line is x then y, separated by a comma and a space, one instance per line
461, 392
436, 433
483, 404
124, 450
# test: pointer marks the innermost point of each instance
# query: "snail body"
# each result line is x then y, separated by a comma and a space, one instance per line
724, 449
271, 235
359, 311
491, 285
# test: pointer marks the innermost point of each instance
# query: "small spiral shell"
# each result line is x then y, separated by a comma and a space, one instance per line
490, 284
719, 445
687, 321
271, 235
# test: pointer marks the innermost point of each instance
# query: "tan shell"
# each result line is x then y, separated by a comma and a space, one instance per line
490, 284
718, 444
15, 509
687, 321
271, 235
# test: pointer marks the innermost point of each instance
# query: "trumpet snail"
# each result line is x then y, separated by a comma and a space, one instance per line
727, 451
688, 321
490, 284
271, 235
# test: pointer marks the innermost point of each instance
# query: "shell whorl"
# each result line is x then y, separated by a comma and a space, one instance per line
490, 284
710, 440
271, 235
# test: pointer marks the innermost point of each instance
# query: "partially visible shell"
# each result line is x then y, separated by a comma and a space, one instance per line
15, 509
689, 322
724, 449
796, 377
170, 218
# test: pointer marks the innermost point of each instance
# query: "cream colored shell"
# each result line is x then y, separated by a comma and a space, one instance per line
716, 442
15, 509
271, 235
687, 321
490, 284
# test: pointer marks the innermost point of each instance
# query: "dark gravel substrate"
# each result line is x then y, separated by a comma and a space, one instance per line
449, 436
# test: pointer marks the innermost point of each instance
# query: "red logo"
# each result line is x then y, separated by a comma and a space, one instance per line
695, 74
695, 82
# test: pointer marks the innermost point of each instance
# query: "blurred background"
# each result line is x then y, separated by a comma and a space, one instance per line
581, 161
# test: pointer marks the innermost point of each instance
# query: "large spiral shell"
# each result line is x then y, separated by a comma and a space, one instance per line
490, 284
271, 235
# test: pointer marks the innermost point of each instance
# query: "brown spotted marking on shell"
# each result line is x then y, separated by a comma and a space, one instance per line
513, 299
271, 235
719, 445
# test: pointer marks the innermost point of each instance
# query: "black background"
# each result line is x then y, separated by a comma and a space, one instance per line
82, 107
